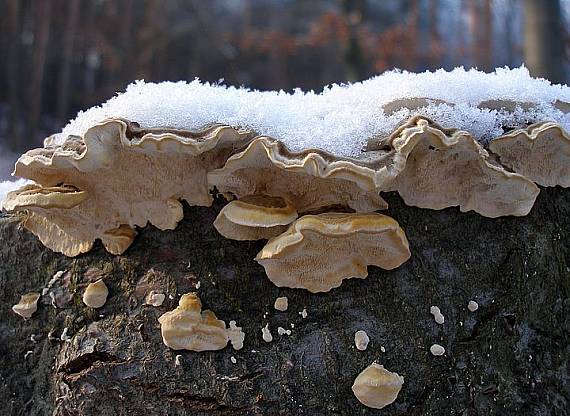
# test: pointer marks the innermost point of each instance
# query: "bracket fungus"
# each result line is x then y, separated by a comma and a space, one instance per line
318, 251
310, 180
541, 152
255, 217
95, 295
189, 328
377, 387
438, 168
116, 177
27, 305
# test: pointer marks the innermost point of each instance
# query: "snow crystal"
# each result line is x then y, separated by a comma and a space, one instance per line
9, 186
341, 118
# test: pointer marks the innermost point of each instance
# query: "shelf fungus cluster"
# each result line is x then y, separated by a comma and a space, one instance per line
317, 209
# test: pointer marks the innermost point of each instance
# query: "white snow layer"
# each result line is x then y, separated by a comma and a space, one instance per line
341, 118
9, 186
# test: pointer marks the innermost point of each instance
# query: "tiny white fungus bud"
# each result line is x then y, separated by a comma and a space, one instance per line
64, 337
382, 349
437, 315
155, 299
198, 285
437, 349
233, 359
267, 337
472, 306
281, 303
235, 335
283, 331
361, 340
303, 313
178, 361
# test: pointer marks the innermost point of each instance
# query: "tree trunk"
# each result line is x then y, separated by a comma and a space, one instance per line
42, 20
509, 357
13, 66
543, 45
67, 60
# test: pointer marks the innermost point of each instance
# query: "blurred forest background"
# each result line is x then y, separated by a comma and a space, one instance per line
61, 56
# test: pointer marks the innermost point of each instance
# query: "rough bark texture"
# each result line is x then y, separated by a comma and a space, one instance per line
509, 357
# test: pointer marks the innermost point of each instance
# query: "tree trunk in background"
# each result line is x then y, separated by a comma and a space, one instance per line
510, 357
543, 46
353, 13
486, 50
67, 59
42, 20
13, 67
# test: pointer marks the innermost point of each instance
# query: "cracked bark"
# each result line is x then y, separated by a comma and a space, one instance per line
510, 356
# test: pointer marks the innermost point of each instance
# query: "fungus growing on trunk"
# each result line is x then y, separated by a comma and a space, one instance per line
541, 152
377, 387
155, 299
236, 336
317, 252
281, 303
27, 305
189, 328
361, 340
123, 177
255, 217
310, 180
95, 295
438, 168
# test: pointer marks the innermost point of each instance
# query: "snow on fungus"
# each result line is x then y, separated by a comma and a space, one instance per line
266, 333
377, 387
255, 217
317, 252
361, 340
281, 303
437, 315
95, 295
541, 152
438, 168
187, 327
472, 306
235, 335
27, 305
341, 118
155, 299
107, 193
437, 350
309, 180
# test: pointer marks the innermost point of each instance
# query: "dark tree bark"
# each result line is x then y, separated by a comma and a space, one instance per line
509, 357
543, 39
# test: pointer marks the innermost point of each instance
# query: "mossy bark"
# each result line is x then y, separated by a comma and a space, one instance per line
509, 357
